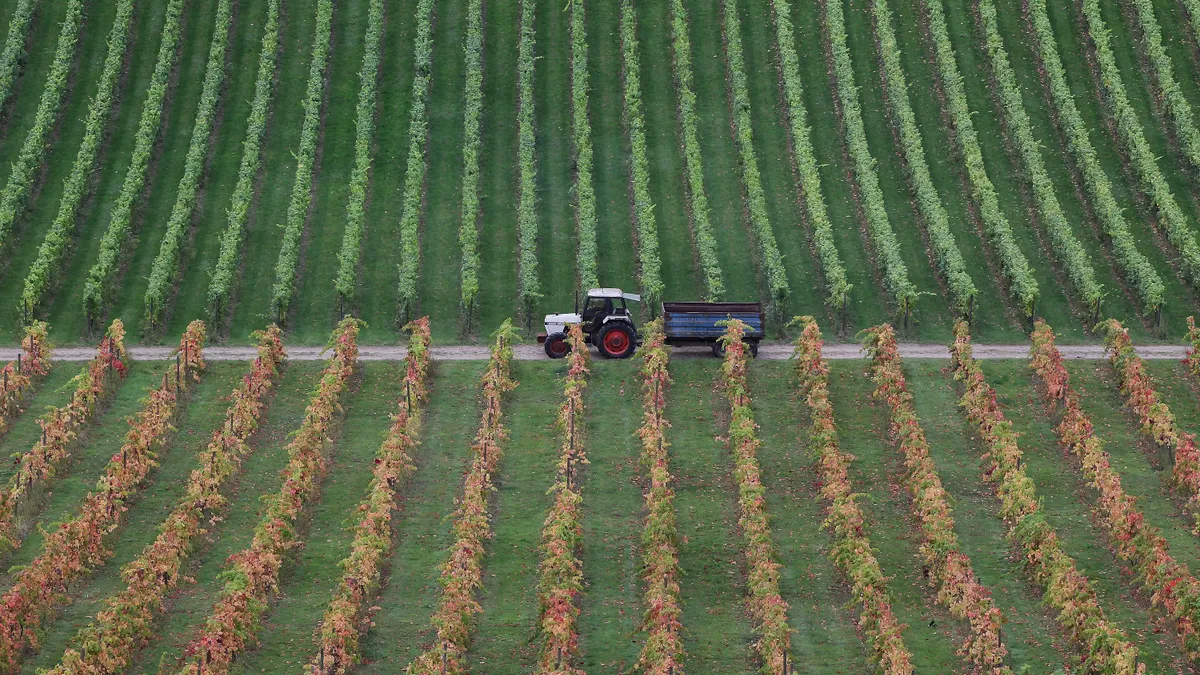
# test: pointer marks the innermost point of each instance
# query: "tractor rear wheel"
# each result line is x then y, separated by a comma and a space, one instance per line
557, 345
615, 341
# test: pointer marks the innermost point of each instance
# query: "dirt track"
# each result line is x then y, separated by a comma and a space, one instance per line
774, 351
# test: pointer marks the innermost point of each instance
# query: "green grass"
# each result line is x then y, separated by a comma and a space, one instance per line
441, 256
62, 145
668, 184
24, 431
316, 310
103, 440
1067, 500
505, 631
198, 259
423, 532
205, 412
497, 169
17, 117
264, 233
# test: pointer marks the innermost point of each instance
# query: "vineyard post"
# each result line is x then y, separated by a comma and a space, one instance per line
443, 658
178, 369
20, 369
5, 390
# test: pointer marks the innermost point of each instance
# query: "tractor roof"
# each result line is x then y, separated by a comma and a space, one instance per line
613, 293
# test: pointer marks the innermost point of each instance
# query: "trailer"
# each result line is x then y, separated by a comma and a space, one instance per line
608, 323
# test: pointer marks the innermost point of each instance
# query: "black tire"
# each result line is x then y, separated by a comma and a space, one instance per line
753, 349
616, 341
557, 346
718, 349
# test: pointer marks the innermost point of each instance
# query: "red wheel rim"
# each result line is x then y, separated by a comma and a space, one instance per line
615, 342
558, 347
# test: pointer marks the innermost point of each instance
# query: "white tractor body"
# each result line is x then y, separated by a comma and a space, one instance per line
557, 323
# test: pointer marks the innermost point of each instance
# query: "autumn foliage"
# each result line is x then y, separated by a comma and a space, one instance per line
462, 573
1170, 584
1155, 416
38, 468
851, 552
77, 546
18, 377
960, 590
107, 645
253, 574
1106, 647
562, 536
348, 616
767, 608
662, 652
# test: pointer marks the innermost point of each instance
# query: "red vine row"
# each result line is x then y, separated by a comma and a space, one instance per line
961, 591
60, 426
348, 616
767, 607
462, 573
78, 545
18, 377
851, 552
108, 645
1170, 584
254, 574
662, 653
1155, 416
562, 536
1106, 647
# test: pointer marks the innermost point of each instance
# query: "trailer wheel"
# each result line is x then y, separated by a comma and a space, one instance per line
615, 341
557, 345
753, 349
718, 349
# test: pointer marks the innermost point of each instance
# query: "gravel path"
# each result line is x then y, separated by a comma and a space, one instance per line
772, 351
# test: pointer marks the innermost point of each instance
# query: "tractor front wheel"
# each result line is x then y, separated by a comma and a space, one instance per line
557, 345
616, 341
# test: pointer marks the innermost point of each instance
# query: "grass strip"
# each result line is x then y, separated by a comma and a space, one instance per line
414, 173
462, 573
561, 568
760, 221
254, 573
40, 468
929, 203
646, 227
702, 230
1178, 107
109, 643
101, 277
1157, 420
1129, 129
220, 287
1106, 646
1135, 267
297, 212
961, 590
164, 272
1170, 584
364, 134
32, 157
468, 232
77, 546
581, 135
347, 617
45, 271
895, 272
836, 285
18, 378
14, 47
1022, 285
852, 552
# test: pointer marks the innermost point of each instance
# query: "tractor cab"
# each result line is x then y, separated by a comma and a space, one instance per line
606, 321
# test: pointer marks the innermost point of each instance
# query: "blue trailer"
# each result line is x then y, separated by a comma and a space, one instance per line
699, 323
